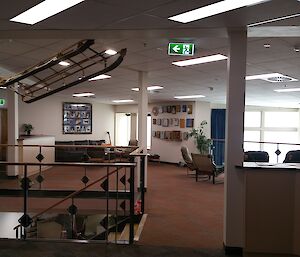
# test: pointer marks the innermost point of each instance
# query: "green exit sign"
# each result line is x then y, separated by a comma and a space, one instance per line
185, 49
2, 101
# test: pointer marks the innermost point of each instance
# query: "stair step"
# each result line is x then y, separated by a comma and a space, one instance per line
125, 233
113, 237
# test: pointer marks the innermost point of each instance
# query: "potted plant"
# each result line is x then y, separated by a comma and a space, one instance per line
27, 128
202, 142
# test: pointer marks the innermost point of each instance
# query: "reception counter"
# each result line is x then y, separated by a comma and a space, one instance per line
272, 209
28, 153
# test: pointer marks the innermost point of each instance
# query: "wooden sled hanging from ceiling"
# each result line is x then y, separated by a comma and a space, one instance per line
48, 77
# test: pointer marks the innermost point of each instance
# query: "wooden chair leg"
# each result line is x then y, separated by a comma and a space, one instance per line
214, 179
196, 176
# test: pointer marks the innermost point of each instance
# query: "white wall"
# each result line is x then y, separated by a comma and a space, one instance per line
169, 151
8, 220
46, 117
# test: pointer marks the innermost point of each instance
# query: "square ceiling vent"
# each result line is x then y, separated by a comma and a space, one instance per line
280, 78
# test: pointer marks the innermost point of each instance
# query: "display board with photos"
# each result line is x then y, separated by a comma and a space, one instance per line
77, 118
176, 119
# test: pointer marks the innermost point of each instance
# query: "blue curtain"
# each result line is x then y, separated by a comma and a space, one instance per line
218, 117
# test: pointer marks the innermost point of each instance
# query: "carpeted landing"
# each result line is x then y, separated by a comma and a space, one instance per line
13, 248
181, 211
184, 218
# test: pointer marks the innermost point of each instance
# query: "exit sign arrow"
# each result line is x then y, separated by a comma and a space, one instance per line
185, 49
176, 48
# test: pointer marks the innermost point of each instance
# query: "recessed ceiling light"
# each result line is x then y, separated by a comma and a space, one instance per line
189, 96
287, 90
272, 77
150, 88
213, 9
123, 101
110, 52
102, 76
206, 59
3, 87
44, 10
83, 94
267, 45
296, 49
64, 63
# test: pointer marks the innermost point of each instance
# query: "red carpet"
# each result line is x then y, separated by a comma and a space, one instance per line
182, 212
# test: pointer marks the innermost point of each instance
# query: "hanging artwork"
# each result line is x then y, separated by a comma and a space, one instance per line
182, 123
189, 123
77, 118
190, 109
165, 122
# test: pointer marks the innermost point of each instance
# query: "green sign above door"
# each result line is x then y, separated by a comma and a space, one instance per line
2, 101
185, 49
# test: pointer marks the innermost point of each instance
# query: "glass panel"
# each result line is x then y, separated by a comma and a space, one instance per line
252, 119
282, 119
251, 136
280, 137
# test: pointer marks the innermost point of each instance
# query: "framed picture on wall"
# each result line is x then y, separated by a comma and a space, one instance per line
77, 118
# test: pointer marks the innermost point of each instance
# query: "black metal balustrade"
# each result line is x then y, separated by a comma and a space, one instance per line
276, 150
118, 194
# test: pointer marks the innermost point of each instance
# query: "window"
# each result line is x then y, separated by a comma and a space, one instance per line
274, 127
149, 132
252, 119
251, 136
281, 119
122, 129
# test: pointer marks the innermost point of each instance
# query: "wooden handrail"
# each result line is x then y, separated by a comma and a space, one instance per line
71, 195
74, 146
138, 152
80, 164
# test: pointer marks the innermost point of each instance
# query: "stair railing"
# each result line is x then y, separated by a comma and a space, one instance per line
26, 220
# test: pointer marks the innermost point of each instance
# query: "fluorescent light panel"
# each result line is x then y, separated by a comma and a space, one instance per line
123, 101
272, 77
206, 59
44, 10
102, 76
64, 63
287, 90
150, 88
263, 76
275, 19
83, 94
213, 9
110, 52
189, 96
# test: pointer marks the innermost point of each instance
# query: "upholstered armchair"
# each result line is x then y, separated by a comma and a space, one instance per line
187, 159
256, 156
292, 157
205, 166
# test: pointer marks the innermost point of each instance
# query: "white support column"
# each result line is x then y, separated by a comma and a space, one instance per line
142, 115
13, 131
234, 178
